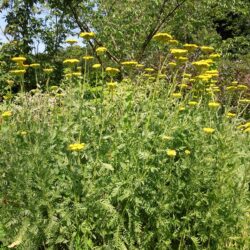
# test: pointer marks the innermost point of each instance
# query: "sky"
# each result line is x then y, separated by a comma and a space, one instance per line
2, 25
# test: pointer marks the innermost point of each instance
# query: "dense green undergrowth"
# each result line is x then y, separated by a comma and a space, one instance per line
123, 191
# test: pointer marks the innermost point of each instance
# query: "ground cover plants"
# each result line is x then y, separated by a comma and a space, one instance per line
130, 157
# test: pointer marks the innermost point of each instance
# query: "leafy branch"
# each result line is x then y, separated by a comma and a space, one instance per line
160, 22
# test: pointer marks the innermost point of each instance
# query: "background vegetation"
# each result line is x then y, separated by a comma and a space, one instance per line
145, 158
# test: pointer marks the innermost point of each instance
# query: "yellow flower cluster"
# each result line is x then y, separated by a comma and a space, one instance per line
87, 58
87, 35
71, 61
18, 72
209, 130
71, 41
101, 50
179, 52
162, 37
129, 63
171, 152
6, 114
112, 71
76, 147
48, 70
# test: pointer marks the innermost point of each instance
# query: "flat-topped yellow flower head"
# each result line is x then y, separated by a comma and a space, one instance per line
48, 70
35, 65
230, 114
96, 66
177, 95
129, 63
162, 37
87, 58
71, 41
76, 147
18, 72
112, 71
207, 49
208, 130
112, 85
71, 61
179, 52
149, 69
171, 152
213, 104
101, 50
87, 35
190, 46
7, 114
18, 59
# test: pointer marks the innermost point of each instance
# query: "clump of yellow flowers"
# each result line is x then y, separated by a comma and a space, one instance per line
171, 152
6, 114
76, 147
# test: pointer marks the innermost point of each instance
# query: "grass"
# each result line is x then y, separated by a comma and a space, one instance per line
123, 191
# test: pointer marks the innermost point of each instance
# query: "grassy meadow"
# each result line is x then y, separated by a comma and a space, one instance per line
129, 157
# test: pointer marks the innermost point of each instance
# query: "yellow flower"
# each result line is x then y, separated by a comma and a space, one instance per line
229, 114
187, 75
193, 103
162, 37
214, 104
6, 114
129, 63
87, 35
149, 69
247, 130
112, 71
18, 72
181, 108
187, 152
76, 73
35, 65
19, 59
48, 70
242, 87
214, 56
172, 64
244, 101
71, 61
190, 47
177, 95
171, 152
87, 58
209, 130
96, 66
160, 76
201, 64
71, 41
231, 88
76, 146
183, 86
101, 50
179, 52
234, 83
246, 125
173, 42
23, 133
139, 65
207, 49
182, 59
112, 85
